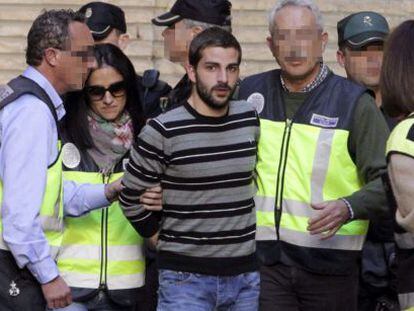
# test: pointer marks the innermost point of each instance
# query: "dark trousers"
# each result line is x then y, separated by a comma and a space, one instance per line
285, 288
14, 280
151, 282
378, 280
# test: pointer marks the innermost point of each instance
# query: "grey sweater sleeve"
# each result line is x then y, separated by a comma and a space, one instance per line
146, 165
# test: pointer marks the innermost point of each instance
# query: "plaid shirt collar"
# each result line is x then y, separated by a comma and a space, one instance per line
323, 73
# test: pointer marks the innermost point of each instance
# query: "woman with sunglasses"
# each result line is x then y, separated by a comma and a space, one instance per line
102, 256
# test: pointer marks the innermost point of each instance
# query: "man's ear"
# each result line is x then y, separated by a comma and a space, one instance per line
196, 30
270, 44
123, 41
190, 72
340, 58
52, 56
324, 41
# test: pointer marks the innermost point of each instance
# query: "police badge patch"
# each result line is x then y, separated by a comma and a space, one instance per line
257, 100
70, 155
14, 290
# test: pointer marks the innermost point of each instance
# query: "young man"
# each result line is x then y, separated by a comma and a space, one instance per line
108, 25
203, 152
361, 39
59, 58
319, 159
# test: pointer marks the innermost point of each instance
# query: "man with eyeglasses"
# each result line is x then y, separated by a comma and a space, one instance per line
32, 205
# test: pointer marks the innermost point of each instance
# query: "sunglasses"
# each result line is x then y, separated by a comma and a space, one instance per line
97, 92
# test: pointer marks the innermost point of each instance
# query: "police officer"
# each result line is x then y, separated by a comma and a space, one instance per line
184, 21
319, 162
361, 39
59, 59
107, 24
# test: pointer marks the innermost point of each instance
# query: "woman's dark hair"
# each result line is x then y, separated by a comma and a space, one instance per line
397, 75
75, 124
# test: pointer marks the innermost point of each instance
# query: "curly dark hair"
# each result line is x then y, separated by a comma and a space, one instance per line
50, 30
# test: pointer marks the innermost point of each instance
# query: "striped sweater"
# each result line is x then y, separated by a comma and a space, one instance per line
205, 166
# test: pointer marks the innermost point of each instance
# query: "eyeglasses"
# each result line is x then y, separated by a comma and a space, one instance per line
97, 92
86, 55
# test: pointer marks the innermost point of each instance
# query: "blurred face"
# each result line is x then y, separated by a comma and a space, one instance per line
121, 40
177, 39
106, 93
215, 76
77, 60
363, 65
296, 42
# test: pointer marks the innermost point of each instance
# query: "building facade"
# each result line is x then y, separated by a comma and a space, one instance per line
146, 48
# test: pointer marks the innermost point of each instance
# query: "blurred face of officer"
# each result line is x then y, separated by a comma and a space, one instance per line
177, 39
363, 65
297, 42
106, 93
117, 38
216, 76
75, 62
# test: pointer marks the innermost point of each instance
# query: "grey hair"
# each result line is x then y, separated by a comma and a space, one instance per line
310, 4
190, 23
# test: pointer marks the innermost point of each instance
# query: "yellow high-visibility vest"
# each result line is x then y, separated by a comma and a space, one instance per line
401, 141
51, 211
102, 247
310, 158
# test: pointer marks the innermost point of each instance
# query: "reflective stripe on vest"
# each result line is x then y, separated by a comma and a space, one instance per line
400, 143
404, 240
406, 301
51, 211
87, 249
314, 156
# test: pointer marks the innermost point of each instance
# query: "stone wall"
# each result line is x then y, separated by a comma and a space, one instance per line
146, 49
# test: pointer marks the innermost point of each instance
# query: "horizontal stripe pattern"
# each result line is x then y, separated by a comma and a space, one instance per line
205, 166
114, 282
93, 252
209, 210
305, 239
213, 238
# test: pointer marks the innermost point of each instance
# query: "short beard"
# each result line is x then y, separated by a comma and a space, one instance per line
208, 98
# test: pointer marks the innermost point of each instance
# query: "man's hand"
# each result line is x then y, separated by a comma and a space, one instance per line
113, 189
152, 241
57, 293
151, 199
330, 217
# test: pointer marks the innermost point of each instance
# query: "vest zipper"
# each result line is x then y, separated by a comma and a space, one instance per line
281, 175
104, 241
